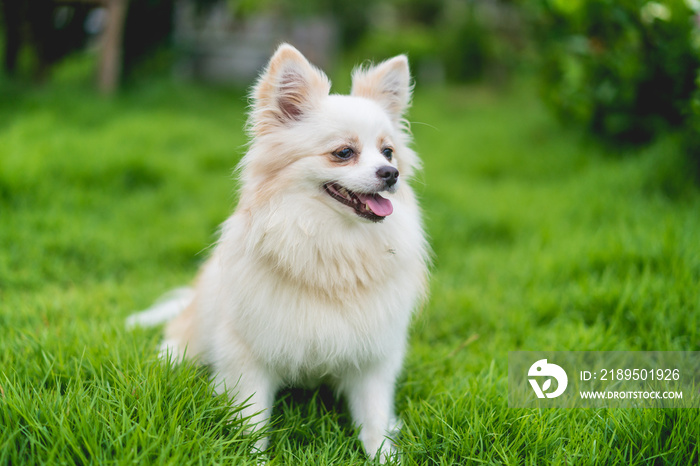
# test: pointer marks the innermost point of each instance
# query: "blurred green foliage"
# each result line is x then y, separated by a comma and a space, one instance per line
693, 129
625, 69
446, 40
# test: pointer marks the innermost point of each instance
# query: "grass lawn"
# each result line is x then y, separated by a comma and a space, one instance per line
542, 241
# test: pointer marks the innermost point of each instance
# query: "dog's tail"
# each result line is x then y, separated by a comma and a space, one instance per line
165, 309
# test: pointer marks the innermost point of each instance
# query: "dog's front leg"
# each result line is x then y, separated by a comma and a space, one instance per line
371, 399
255, 389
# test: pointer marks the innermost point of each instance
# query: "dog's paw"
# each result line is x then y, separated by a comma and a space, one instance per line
388, 453
382, 445
258, 450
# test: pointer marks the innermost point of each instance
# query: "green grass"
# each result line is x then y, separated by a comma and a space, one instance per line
541, 242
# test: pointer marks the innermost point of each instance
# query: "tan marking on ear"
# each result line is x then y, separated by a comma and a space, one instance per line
388, 83
289, 88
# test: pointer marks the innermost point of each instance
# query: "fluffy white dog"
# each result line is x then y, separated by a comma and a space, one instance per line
317, 272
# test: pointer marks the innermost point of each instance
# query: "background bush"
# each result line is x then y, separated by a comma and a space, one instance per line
446, 40
692, 136
625, 69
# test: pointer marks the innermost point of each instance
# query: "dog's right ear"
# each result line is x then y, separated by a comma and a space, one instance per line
289, 87
388, 83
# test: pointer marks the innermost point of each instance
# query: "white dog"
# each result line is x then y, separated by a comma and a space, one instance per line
316, 273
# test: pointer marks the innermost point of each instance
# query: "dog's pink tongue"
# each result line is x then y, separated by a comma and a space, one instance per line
379, 205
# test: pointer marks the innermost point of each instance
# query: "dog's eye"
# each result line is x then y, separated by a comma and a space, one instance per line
344, 153
388, 153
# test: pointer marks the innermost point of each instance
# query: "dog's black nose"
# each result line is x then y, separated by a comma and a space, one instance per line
389, 174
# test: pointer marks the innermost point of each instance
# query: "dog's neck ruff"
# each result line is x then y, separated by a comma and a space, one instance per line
323, 251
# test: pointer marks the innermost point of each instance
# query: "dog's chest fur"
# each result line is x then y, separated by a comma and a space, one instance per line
312, 298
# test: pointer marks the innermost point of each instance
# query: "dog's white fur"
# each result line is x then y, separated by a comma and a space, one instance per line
300, 289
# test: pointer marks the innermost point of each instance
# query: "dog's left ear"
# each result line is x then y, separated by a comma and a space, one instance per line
388, 83
289, 88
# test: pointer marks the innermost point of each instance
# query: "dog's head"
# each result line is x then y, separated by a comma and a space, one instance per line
349, 152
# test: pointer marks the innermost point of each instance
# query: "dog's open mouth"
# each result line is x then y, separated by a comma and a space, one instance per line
370, 206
